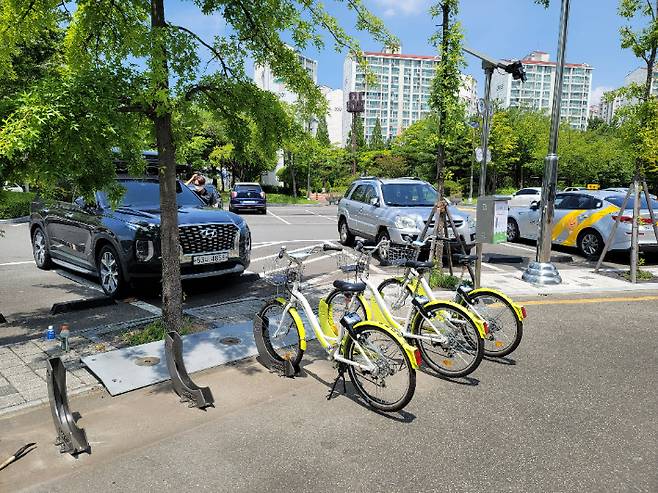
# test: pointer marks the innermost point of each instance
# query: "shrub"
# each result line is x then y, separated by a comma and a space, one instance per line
155, 331
439, 279
15, 204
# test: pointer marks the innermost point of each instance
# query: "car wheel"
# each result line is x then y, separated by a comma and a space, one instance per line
40, 250
109, 272
512, 230
382, 254
345, 235
264, 211
590, 243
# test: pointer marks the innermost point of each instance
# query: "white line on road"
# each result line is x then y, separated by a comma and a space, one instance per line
274, 243
279, 218
493, 267
17, 263
519, 247
324, 217
147, 307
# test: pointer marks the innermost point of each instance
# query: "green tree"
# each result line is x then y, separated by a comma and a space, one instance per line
357, 132
376, 139
100, 97
322, 134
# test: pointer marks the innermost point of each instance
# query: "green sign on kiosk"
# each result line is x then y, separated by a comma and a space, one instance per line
491, 217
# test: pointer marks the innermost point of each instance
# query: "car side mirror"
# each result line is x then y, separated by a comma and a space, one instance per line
374, 202
534, 205
80, 202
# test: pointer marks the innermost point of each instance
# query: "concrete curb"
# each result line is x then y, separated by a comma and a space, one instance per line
38, 402
16, 220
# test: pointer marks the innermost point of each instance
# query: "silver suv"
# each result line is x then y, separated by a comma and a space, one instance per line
395, 209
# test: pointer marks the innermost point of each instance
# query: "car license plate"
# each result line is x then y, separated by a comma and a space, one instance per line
215, 258
249, 202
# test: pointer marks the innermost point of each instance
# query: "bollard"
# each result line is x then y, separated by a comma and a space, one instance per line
285, 368
187, 390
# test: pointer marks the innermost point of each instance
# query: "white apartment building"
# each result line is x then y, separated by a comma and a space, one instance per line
537, 92
335, 114
265, 79
400, 95
638, 76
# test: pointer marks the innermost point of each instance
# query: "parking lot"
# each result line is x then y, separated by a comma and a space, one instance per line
28, 293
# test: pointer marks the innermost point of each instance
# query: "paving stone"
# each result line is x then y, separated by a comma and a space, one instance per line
7, 390
41, 372
35, 395
11, 400
26, 348
16, 370
3, 381
32, 386
10, 361
84, 376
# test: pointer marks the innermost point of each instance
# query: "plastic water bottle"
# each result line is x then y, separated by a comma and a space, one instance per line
50, 333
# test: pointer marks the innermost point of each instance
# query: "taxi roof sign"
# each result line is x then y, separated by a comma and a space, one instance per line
593, 186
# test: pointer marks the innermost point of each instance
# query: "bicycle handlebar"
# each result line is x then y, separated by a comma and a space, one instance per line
326, 247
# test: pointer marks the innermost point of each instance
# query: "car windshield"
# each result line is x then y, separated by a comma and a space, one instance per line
619, 199
409, 194
247, 188
146, 193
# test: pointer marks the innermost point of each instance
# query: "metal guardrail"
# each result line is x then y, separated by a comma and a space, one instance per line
186, 389
70, 438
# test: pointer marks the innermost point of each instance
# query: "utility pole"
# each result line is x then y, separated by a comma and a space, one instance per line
542, 271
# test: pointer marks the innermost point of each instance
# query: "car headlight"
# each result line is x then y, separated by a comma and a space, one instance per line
405, 222
144, 250
140, 225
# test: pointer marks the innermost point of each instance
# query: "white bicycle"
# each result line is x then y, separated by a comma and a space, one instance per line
449, 337
379, 362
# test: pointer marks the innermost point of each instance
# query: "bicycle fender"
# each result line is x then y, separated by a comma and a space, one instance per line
298, 322
479, 324
408, 348
517, 308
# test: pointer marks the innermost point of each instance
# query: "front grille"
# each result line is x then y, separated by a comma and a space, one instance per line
205, 238
458, 223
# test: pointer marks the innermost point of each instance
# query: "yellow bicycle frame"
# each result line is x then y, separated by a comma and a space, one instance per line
298, 322
517, 308
479, 324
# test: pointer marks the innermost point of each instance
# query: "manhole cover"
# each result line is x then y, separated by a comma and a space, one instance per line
147, 361
230, 341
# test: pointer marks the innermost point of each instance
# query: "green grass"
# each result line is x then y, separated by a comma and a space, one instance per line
15, 204
439, 279
155, 331
274, 198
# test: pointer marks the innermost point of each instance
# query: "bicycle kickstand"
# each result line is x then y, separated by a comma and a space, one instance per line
341, 375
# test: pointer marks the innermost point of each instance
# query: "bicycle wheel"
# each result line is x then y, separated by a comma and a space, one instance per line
342, 302
280, 333
462, 353
392, 385
505, 328
396, 296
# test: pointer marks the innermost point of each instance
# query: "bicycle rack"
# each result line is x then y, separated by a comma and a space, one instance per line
285, 368
70, 438
187, 390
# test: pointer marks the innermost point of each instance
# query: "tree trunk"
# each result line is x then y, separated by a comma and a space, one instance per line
172, 292
292, 175
439, 224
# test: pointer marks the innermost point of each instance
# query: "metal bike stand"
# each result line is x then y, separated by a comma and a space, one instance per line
186, 389
284, 368
70, 438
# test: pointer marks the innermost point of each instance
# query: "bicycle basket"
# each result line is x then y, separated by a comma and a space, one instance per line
399, 254
281, 272
350, 263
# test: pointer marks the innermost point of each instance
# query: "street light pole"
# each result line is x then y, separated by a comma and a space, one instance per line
542, 271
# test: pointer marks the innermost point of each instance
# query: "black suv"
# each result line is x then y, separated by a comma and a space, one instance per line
122, 244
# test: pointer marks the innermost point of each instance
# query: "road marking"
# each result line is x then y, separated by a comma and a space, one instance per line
324, 217
305, 263
279, 218
17, 225
588, 300
493, 267
147, 307
290, 251
22, 262
519, 247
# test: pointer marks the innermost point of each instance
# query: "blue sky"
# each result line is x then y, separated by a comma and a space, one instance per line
501, 28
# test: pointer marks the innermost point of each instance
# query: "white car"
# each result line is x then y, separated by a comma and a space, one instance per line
525, 197
12, 187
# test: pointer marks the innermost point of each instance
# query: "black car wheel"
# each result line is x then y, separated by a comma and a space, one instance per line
383, 252
590, 243
109, 272
263, 211
344, 233
512, 230
40, 249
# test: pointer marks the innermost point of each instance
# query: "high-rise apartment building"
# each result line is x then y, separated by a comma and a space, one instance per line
334, 114
537, 92
265, 79
400, 94
637, 76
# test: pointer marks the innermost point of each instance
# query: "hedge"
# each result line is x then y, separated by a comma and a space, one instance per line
15, 204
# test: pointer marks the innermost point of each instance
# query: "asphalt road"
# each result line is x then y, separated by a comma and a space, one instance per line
573, 409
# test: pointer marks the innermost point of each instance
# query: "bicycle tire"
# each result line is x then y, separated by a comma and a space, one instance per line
406, 375
494, 328
345, 306
290, 349
472, 343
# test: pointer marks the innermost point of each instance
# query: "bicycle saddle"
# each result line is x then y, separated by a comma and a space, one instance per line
415, 264
350, 287
464, 259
